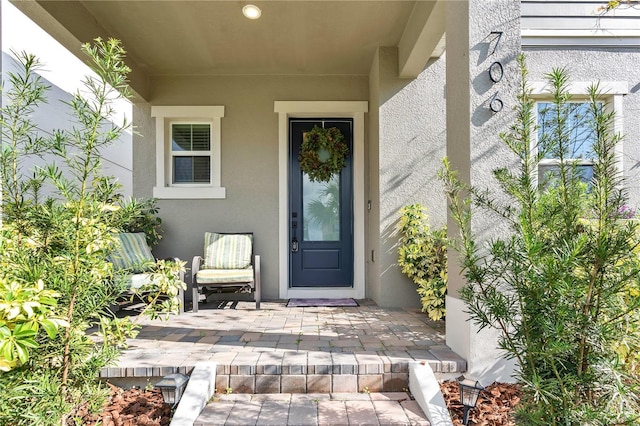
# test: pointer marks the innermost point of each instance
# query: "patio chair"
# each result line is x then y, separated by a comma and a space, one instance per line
133, 264
229, 270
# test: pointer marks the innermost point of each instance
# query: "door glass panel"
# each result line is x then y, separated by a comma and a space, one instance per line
321, 209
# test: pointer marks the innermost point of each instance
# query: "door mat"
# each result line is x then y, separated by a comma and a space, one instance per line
305, 303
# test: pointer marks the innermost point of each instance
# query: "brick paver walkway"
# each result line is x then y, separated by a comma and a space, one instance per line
366, 340
297, 366
337, 409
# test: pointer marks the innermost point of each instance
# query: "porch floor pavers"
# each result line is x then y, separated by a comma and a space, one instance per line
357, 357
343, 340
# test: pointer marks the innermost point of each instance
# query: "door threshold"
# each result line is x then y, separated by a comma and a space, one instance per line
323, 292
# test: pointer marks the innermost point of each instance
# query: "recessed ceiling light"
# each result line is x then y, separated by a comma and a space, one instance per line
251, 11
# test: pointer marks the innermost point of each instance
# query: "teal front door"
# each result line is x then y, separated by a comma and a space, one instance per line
320, 215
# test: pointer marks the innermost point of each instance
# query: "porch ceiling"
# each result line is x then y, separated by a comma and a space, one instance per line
178, 38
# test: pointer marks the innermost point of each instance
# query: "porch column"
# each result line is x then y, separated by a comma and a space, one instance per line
479, 33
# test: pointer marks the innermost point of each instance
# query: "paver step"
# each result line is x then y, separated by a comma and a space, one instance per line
336, 409
312, 372
296, 371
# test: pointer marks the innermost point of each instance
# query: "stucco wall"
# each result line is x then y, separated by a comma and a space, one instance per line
475, 150
63, 73
611, 65
249, 149
373, 184
411, 146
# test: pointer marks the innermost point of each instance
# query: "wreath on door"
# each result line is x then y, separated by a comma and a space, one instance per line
323, 153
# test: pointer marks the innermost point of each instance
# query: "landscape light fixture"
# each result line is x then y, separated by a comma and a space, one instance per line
172, 386
251, 11
469, 392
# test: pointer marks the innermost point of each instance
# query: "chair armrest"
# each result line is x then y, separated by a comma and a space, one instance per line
195, 267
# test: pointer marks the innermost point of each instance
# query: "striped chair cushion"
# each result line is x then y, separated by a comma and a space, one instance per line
227, 251
222, 276
136, 281
132, 252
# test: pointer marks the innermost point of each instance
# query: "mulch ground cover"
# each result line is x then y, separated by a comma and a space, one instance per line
495, 405
138, 407
131, 407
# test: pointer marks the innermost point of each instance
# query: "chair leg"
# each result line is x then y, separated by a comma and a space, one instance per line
196, 297
257, 296
256, 277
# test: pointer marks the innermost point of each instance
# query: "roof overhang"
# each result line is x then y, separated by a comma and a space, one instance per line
209, 38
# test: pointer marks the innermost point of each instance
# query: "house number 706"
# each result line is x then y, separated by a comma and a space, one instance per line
496, 72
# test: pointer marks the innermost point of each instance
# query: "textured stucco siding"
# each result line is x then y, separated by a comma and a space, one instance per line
603, 65
63, 74
411, 147
475, 149
249, 152
373, 268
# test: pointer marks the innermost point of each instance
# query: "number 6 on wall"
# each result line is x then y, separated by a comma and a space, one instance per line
495, 104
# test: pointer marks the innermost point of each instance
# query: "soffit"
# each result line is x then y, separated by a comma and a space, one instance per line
173, 38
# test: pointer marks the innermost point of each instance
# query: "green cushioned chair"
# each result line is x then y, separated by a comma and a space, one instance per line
229, 270
134, 263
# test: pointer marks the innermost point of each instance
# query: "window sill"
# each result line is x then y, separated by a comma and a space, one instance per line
176, 193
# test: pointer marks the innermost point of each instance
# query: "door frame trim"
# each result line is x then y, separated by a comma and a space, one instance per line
319, 109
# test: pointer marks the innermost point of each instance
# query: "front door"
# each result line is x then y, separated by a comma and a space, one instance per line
320, 215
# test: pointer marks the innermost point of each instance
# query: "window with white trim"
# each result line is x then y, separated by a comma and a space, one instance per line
188, 152
191, 153
579, 137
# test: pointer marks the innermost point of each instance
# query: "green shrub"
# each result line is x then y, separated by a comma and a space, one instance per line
138, 215
56, 329
559, 288
422, 256
128, 214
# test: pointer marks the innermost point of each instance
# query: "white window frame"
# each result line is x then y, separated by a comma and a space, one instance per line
166, 116
612, 94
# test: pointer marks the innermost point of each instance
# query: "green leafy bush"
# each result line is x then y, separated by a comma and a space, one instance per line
138, 215
422, 256
562, 288
56, 288
128, 214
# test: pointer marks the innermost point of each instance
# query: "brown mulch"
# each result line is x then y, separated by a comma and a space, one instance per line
132, 407
495, 405
137, 407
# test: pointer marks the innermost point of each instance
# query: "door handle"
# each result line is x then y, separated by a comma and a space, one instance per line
294, 225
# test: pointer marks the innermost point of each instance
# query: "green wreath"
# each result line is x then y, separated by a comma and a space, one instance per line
323, 153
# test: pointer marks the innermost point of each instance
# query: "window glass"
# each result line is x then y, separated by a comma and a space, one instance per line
190, 137
575, 134
576, 129
191, 169
321, 209
548, 173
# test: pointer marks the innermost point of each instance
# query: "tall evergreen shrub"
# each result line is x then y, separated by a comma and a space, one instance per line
56, 287
562, 287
